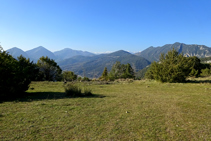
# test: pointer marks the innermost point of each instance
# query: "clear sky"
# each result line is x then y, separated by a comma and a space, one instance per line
103, 25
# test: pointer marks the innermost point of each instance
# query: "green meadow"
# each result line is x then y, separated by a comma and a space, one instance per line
138, 110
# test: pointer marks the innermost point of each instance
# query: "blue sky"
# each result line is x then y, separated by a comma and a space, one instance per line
103, 25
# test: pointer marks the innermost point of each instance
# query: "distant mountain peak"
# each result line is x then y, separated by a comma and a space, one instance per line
68, 53
41, 47
38, 52
16, 52
153, 53
121, 52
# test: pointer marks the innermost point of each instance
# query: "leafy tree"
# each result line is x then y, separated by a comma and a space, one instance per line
7, 70
174, 67
49, 70
128, 73
119, 70
69, 76
85, 79
115, 71
16, 75
28, 70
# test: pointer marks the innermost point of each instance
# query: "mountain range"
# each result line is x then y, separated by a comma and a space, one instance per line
153, 53
88, 64
36, 53
83, 63
16, 52
93, 66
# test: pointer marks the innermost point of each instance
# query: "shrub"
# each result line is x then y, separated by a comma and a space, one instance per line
69, 76
174, 67
79, 78
75, 90
85, 79
72, 90
87, 91
205, 72
16, 75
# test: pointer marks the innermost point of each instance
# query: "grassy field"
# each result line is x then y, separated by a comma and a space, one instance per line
141, 110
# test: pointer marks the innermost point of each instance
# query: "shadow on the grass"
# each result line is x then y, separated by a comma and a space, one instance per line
198, 81
36, 96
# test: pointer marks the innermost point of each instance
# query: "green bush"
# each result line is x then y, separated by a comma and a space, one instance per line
73, 90
16, 75
69, 76
87, 91
174, 67
119, 70
205, 72
85, 79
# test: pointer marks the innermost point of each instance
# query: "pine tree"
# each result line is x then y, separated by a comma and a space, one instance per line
174, 67
105, 73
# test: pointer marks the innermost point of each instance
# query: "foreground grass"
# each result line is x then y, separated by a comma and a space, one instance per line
142, 110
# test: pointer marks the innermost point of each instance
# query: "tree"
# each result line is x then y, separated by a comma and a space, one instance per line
16, 75
119, 70
69, 76
27, 70
7, 70
129, 73
174, 67
49, 70
195, 66
105, 74
115, 71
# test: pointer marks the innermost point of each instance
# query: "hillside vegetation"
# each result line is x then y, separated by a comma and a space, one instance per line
93, 67
139, 110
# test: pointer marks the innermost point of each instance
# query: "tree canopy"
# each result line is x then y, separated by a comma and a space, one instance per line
105, 74
174, 67
69, 76
49, 70
119, 70
16, 75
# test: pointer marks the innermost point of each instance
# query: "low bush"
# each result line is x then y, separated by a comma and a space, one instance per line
72, 90
87, 91
75, 90
205, 72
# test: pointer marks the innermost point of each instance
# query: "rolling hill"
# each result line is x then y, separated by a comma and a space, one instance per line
93, 66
